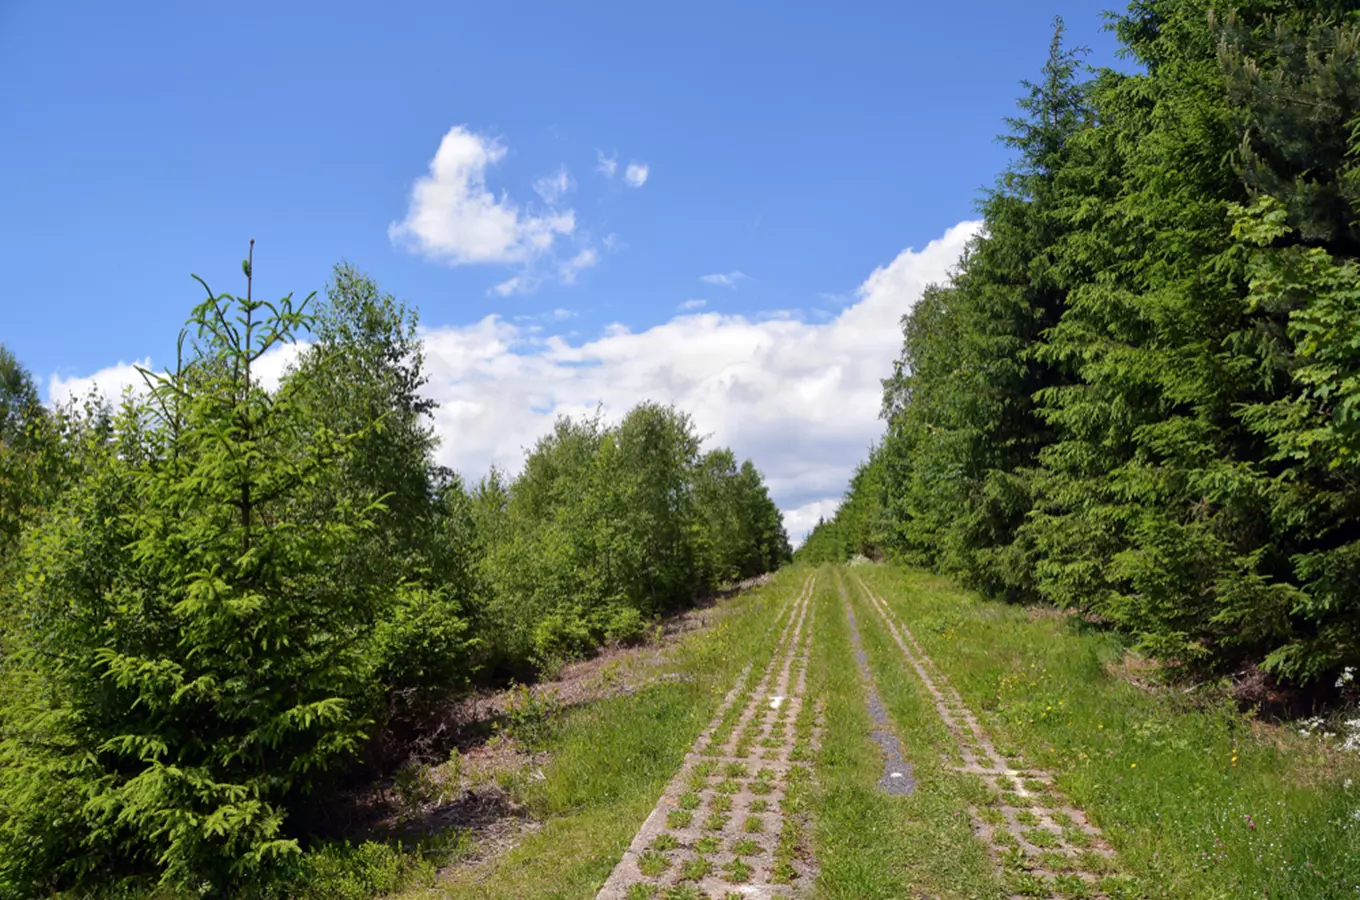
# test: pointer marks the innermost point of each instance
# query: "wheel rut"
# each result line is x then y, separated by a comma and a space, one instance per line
897, 777
1044, 845
721, 829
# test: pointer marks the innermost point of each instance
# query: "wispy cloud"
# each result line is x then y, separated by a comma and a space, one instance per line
586, 259
536, 275
692, 305
606, 165
724, 279
553, 188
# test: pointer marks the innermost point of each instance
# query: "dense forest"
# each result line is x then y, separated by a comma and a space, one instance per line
1138, 395
219, 597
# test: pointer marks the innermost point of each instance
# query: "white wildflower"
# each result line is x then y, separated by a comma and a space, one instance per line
1352, 741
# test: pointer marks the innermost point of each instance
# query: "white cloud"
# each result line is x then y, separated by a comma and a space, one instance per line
606, 165
454, 218
111, 381
799, 398
798, 522
532, 277
724, 279
553, 188
515, 284
586, 259
691, 305
636, 174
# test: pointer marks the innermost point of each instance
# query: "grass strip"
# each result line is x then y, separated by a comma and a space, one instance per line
1200, 800
871, 844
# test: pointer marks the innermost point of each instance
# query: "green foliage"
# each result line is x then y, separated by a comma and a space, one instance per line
188, 663
340, 872
609, 526
363, 374
741, 531
41, 450
221, 598
529, 715
1139, 395
858, 528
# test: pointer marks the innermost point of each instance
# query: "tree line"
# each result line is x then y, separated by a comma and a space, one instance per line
1138, 394
219, 598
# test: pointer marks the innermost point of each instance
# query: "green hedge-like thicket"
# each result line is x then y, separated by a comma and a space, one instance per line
1139, 394
218, 598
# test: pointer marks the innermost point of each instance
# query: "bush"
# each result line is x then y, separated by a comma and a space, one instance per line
559, 637
624, 625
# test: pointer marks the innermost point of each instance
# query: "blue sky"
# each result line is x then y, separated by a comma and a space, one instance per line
804, 146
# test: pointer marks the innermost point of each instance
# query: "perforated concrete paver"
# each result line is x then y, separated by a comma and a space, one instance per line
717, 830
1044, 844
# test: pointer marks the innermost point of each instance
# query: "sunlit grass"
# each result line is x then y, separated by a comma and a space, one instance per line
870, 844
611, 760
1199, 800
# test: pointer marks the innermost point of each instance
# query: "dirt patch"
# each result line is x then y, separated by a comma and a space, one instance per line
1047, 613
464, 768
1139, 671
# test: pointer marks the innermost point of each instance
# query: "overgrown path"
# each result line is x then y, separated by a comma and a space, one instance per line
1045, 843
879, 733
720, 826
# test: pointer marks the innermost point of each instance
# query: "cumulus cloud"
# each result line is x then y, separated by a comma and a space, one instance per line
636, 174
799, 398
606, 165
111, 382
454, 218
798, 522
724, 279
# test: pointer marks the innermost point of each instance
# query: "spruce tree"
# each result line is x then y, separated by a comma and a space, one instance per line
201, 665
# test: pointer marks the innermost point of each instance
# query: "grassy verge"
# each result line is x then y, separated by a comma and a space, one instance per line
611, 760
1199, 800
870, 844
